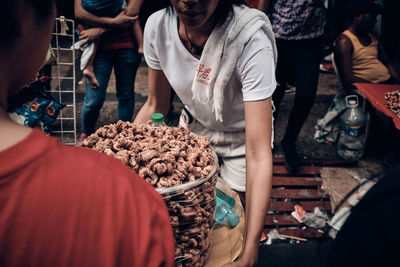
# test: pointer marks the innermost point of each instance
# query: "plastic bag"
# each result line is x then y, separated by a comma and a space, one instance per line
33, 106
227, 211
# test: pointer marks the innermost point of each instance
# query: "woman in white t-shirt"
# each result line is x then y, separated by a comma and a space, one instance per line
219, 57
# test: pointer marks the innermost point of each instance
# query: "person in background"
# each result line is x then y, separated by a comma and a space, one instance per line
219, 56
63, 205
116, 49
110, 9
334, 26
360, 58
298, 28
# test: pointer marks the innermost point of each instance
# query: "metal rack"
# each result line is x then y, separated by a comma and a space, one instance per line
63, 84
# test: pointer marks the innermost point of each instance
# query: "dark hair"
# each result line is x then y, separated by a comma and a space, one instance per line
223, 9
357, 7
9, 21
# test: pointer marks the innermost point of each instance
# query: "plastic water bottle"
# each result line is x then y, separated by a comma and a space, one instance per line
352, 139
158, 120
224, 215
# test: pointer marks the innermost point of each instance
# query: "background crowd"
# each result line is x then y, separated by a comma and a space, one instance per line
318, 25
43, 180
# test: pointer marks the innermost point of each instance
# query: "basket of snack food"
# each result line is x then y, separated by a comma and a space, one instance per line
183, 169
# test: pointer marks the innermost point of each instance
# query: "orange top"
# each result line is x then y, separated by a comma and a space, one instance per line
366, 64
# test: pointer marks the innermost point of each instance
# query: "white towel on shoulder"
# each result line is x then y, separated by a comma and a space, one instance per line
221, 52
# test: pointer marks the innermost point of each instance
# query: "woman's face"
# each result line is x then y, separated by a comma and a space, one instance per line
194, 13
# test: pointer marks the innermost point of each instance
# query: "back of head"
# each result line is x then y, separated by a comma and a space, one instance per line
25, 30
9, 19
357, 7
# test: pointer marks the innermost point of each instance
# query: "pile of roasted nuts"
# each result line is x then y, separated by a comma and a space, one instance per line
191, 211
169, 158
393, 101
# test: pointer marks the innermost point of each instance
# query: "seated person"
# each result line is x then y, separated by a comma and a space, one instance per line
63, 205
357, 56
357, 52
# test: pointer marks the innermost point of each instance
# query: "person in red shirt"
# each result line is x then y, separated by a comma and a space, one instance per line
62, 205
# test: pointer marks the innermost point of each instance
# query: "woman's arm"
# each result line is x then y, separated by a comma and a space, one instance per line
133, 7
120, 21
158, 96
258, 117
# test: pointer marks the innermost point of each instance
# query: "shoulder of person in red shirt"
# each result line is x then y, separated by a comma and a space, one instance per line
71, 206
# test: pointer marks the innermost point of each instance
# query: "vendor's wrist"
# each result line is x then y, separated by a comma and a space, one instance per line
250, 253
251, 246
252, 241
248, 260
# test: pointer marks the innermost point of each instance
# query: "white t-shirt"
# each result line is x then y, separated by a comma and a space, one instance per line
253, 78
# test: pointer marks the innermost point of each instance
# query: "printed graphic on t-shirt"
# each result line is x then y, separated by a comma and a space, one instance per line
204, 74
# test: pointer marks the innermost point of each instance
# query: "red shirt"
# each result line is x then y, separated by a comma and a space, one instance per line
71, 206
117, 39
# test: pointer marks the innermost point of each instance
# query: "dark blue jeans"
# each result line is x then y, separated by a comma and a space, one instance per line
125, 63
298, 60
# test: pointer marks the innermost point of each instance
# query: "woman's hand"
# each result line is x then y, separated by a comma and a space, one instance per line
241, 262
122, 20
247, 259
91, 35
